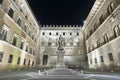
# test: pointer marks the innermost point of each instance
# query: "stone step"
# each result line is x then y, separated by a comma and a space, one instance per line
61, 71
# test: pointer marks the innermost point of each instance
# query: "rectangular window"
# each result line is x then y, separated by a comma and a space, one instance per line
43, 33
91, 32
70, 33
33, 52
32, 37
49, 43
63, 33
77, 33
1, 2
32, 63
24, 62
95, 60
101, 19
57, 33
21, 46
101, 57
50, 33
25, 28
29, 62
26, 48
30, 50
110, 56
19, 21
90, 61
3, 34
11, 12
18, 62
10, 59
14, 41
1, 56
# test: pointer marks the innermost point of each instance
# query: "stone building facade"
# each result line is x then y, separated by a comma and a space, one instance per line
102, 35
73, 45
19, 33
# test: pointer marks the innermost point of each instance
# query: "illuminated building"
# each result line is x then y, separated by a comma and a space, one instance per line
19, 33
73, 45
102, 34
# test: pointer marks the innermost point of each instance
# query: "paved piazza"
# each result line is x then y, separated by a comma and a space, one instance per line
35, 75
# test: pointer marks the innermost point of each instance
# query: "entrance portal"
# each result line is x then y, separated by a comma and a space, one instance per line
45, 59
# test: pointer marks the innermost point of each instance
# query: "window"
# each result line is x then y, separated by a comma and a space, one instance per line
24, 62
43, 33
18, 62
116, 31
106, 38
26, 48
29, 62
19, 21
50, 33
57, 33
77, 33
1, 2
15, 41
95, 60
91, 32
101, 19
26, 17
1, 56
33, 52
32, 63
90, 61
32, 37
30, 50
110, 8
70, 33
101, 57
63, 33
21, 46
49, 43
3, 34
11, 12
98, 43
29, 33
10, 59
110, 56
25, 28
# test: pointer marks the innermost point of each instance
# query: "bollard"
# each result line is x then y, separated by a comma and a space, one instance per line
10, 70
112, 71
81, 71
39, 71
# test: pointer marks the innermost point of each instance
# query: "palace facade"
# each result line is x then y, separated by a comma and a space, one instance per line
19, 35
102, 35
73, 45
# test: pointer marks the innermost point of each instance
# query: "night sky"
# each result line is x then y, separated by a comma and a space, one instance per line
61, 12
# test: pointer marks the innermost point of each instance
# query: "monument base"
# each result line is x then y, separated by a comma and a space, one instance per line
60, 59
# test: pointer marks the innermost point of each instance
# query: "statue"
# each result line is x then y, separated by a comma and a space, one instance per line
60, 53
60, 43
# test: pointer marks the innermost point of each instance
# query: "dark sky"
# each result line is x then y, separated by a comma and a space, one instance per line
61, 12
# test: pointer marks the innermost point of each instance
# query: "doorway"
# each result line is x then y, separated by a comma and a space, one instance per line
45, 59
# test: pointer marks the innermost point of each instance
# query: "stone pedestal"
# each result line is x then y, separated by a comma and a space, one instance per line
60, 59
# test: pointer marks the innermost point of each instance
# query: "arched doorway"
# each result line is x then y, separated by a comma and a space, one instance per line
45, 59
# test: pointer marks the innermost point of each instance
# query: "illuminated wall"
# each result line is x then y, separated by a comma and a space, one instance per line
102, 32
73, 44
19, 32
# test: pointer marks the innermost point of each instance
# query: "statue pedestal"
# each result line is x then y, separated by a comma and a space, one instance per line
60, 59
